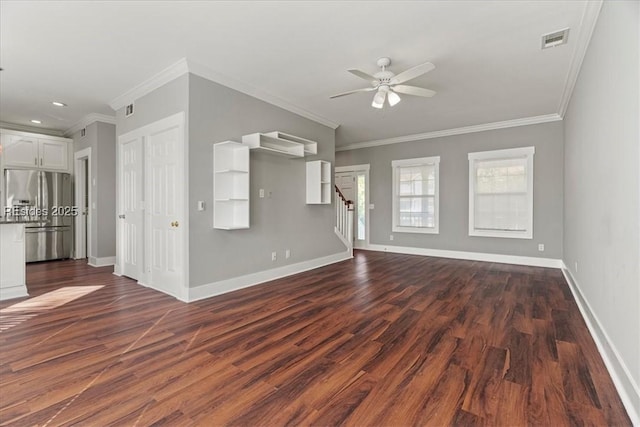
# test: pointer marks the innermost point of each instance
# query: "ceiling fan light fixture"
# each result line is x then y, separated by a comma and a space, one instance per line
378, 99
393, 98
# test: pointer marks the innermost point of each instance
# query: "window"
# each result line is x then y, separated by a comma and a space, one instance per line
501, 193
415, 195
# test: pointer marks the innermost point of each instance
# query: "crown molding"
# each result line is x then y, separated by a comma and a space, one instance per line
30, 129
455, 131
170, 73
184, 66
587, 26
255, 92
87, 120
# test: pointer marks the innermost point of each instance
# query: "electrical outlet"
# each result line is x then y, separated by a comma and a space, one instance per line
287, 254
391, 237
541, 247
262, 193
274, 256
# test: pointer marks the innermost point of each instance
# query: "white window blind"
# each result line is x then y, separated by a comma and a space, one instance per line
501, 193
416, 195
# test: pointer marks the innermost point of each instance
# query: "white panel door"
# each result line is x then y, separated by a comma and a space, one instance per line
164, 185
131, 198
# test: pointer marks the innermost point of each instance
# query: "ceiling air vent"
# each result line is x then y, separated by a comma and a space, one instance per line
556, 38
128, 110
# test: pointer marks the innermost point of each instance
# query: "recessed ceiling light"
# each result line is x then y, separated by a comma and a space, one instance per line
59, 104
36, 121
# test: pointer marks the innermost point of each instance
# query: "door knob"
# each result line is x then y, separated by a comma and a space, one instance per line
121, 216
174, 223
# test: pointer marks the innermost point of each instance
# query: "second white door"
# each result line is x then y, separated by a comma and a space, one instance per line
165, 219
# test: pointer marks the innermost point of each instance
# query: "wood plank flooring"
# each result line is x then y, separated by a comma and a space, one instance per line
383, 339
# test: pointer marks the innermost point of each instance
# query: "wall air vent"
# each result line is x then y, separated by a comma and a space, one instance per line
128, 110
556, 38
83, 132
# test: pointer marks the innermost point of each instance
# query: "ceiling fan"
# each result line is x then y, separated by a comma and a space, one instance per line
387, 84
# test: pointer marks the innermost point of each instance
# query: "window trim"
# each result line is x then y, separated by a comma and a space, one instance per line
511, 153
421, 161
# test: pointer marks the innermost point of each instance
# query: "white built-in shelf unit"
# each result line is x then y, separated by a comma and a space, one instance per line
281, 143
230, 185
318, 182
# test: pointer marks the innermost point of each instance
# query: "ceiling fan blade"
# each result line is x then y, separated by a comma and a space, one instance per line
414, 90
412, 73
363, 75
367, 89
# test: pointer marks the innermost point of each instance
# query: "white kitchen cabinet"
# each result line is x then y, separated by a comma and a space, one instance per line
230, 186
27, 150
318, 182
12, 261
20, 151
53, 155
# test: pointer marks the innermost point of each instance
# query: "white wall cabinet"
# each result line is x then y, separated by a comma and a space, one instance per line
230, 186
25, 150
319, 182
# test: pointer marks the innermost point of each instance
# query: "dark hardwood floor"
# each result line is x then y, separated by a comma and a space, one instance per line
382, 339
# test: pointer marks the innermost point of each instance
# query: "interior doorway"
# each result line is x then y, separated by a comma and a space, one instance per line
353, 182
82, 226
151, 241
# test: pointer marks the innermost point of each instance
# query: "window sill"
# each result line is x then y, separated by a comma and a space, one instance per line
502, 234
420, 230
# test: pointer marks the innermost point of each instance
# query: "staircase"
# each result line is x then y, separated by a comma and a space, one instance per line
344, 220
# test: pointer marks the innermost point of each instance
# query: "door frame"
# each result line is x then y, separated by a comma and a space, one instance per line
144, 278
83, 177
357, 169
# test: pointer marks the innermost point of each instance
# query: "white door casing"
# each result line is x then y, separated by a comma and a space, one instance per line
346, 179
83, 192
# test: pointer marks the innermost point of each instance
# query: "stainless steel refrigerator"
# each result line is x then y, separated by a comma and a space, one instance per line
45, 199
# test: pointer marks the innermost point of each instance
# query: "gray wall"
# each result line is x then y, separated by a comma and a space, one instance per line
106, 189
601, 181
101, 138
163, 102
454, 189
216, 114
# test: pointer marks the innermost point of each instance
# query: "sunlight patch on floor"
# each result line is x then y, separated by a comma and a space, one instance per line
24, 310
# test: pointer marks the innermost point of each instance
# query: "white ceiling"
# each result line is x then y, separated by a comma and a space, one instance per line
489, 65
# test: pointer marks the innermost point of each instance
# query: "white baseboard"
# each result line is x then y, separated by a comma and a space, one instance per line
627, 388
13, 292
102, 261
235, 283
472, 256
